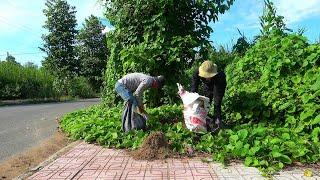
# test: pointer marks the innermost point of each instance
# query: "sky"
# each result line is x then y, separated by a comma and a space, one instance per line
21, 23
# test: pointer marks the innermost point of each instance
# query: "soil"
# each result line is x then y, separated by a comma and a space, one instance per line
155, 146
23, 162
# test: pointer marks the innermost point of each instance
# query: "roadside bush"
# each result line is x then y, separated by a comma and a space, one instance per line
19, 82
277, 81
275, 89
80, 87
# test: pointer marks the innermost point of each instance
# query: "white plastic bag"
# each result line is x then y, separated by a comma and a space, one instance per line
195, 111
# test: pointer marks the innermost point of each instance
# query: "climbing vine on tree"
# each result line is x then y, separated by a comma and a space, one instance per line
157, 37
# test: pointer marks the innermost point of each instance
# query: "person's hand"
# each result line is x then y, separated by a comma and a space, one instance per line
218, 122
143, 112
146, 116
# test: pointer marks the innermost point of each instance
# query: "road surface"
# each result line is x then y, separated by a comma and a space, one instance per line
25, 126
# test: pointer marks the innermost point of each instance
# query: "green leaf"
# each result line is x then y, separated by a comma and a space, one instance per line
285, 159
315, 134
233, 138
285, 136
316, 120
291, 119
280, 165
275, 141
238, 116
254, 150
179, 126
248, 161
243, 133
305, 63
276, 154
316, 85
306, 114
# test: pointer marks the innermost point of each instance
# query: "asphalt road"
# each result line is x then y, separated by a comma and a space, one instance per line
25, 126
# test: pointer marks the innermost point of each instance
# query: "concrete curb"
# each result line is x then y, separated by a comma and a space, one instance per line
47, 161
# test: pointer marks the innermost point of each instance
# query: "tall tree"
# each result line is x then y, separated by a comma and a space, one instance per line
158, 37
92, 51
59, 43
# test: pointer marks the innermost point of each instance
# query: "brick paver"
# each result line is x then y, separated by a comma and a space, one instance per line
88, 161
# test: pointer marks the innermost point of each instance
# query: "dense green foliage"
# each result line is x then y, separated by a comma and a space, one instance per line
222, 57
19, 82
60, 41
277, 82
157, 37
92, 51
267, 147
30, 82
271, 106
104, 126
277, 79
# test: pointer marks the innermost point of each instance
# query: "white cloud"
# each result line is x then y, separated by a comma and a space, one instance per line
297, 10
107, 29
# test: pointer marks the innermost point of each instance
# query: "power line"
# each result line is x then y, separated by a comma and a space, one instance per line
17, 8
21, 27
19, 54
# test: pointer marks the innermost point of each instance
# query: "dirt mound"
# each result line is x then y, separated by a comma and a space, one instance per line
155, 146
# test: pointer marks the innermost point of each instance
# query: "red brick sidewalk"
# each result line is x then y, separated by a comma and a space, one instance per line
87, 161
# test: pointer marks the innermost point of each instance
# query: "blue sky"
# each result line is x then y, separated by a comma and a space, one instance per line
21, 23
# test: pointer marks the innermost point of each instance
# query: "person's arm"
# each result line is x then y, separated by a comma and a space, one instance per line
219, 90
146, 83
195, 81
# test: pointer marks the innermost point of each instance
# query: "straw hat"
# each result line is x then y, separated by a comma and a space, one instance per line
208, 69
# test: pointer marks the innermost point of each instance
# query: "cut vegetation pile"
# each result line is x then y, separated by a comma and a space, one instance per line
155, 146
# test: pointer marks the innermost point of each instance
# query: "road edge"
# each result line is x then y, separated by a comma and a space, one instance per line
53, 157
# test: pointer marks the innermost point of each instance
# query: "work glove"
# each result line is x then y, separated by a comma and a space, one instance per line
218, 123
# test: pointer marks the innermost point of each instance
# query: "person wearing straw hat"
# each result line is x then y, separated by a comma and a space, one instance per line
214, 85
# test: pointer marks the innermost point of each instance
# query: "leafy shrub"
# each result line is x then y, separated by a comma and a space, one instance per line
19, 82
277, 80
80, 87
275, 85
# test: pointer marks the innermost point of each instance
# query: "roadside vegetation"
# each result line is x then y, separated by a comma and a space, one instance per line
271, 107
74, 64
35, 84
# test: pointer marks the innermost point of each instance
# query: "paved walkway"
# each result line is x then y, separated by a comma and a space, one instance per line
87, 161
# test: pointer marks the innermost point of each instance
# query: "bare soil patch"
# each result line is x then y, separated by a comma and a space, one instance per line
21, 163
155, 146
